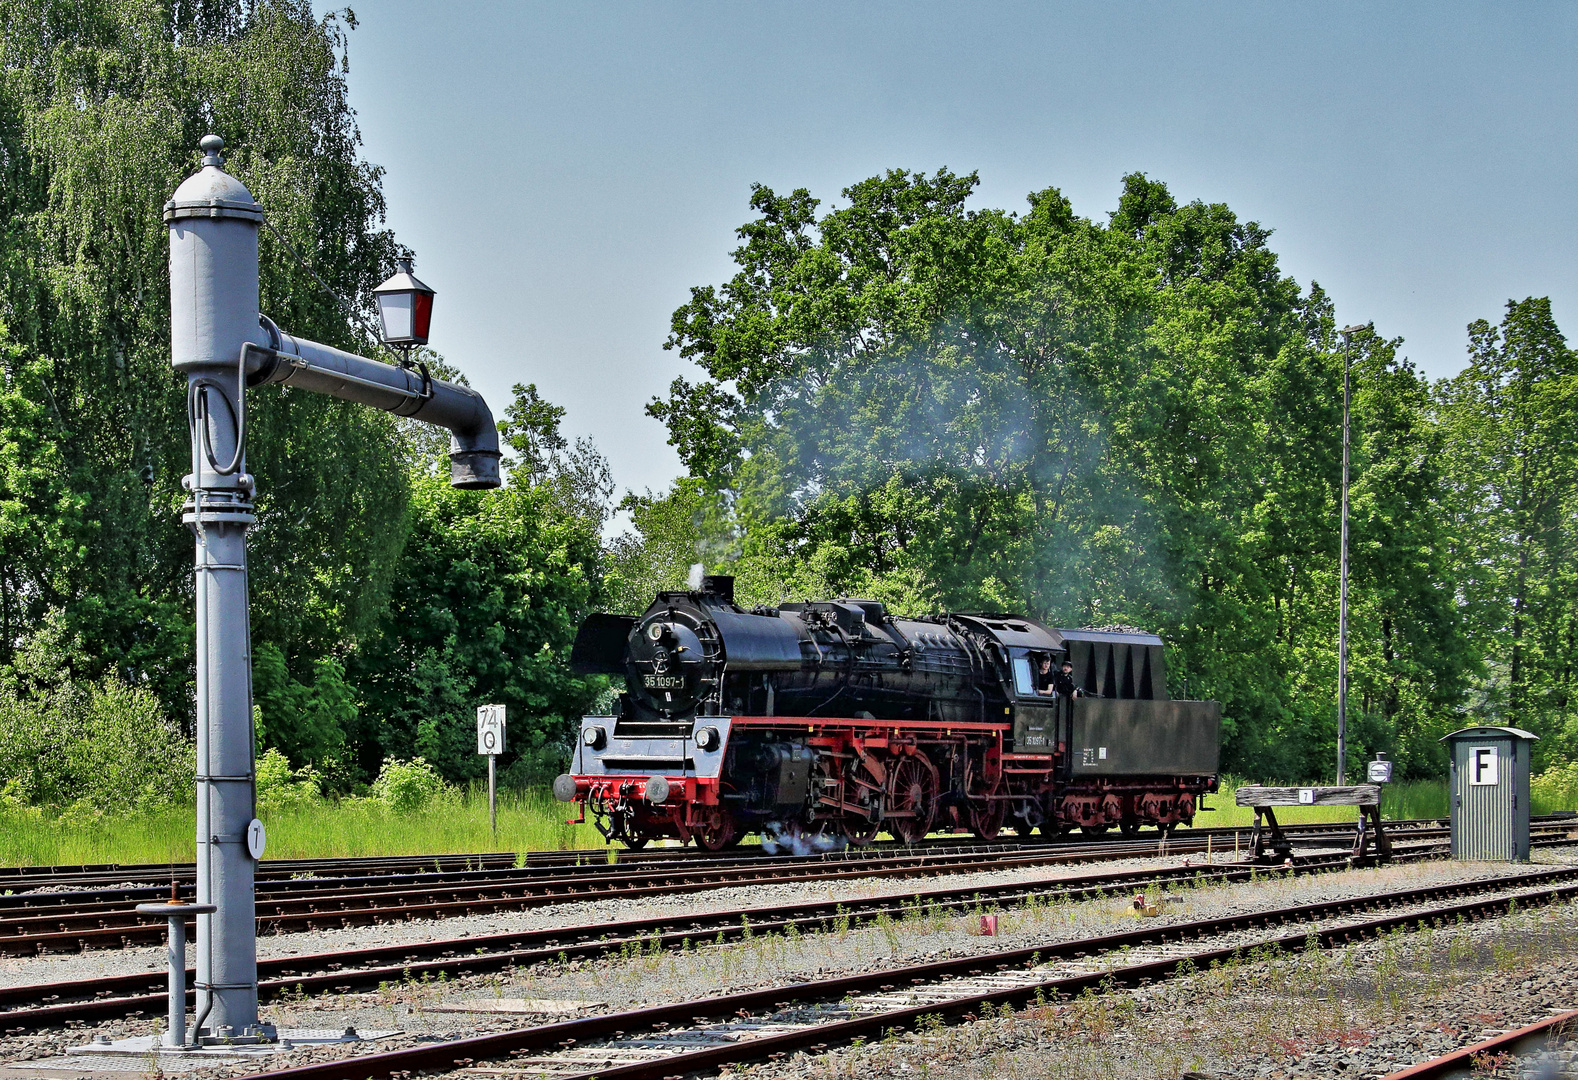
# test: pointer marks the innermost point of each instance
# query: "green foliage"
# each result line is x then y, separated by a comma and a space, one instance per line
88, 746
668, 534
307, 721
279, 787
1136, 422
1509, 420
1555, 789
101, 107
408, 786
489, 591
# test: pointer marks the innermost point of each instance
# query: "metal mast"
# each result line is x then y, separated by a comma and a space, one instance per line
222, 345
1342, 606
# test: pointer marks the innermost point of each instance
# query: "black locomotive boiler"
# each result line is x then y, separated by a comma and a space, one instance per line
832, 721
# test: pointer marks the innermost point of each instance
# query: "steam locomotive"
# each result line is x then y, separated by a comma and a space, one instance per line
825, 723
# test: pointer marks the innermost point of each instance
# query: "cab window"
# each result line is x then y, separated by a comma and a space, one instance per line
1024, 680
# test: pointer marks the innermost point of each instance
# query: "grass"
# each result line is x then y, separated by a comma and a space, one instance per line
1409, 799
528, 821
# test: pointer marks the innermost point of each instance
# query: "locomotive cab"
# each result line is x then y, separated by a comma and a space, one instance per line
1035, 710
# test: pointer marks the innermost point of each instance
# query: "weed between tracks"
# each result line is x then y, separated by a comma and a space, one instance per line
1363, 1010
645, 972
1358, 1011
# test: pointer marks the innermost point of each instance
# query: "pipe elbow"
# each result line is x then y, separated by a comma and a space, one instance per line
473, 445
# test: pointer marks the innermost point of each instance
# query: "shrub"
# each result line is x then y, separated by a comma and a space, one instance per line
1556, 788
100, 746
408, 786
282, 788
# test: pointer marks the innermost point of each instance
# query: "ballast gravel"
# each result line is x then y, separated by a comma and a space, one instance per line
63, 967
69, 966
631, 981
1359, 1013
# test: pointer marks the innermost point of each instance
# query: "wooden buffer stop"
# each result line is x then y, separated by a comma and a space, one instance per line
1369, 838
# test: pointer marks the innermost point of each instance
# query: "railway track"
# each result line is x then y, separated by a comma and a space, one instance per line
25, 879
36, 923
663, 1041
342, 971
1478, 1059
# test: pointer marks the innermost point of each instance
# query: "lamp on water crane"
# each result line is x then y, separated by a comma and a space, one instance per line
405, 308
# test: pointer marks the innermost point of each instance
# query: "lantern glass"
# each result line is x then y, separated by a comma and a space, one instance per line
421, 315
395, 311
405, 308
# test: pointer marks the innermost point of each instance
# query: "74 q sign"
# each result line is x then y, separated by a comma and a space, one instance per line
490, 729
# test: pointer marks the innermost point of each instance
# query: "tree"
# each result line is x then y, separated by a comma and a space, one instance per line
1508, 420
101, 108
668, 534
1134, 422
488, 593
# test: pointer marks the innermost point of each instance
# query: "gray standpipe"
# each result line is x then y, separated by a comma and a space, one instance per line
176, 912
213, 222
222, 345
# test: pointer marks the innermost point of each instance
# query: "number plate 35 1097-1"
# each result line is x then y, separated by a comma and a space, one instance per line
663, 682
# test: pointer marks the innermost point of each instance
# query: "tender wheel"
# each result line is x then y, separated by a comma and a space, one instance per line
1129, 826
986, 818
912, 790
1024, 828
1094, 830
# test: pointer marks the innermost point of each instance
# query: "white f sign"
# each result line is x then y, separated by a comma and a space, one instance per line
490, 729
1482, 766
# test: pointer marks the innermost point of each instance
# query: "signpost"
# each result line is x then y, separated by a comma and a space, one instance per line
490, 740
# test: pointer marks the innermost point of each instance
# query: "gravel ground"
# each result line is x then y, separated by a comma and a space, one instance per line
1360, 1012
70, 966
766, 961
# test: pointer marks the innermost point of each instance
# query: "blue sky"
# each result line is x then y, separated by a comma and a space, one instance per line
566, 172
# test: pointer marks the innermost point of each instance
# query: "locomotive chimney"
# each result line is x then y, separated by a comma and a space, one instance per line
719, 585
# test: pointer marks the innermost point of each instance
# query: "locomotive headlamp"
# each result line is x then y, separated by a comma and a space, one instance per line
707, 738
405, 308
655, 631
595, 737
